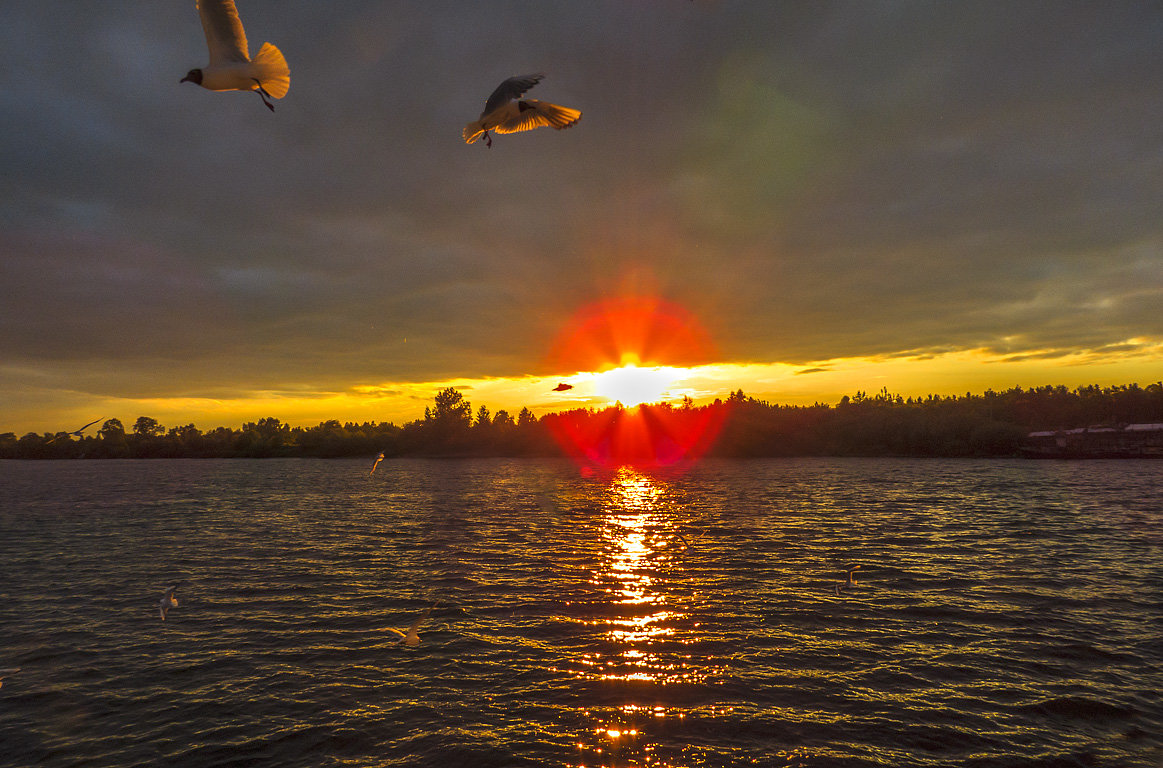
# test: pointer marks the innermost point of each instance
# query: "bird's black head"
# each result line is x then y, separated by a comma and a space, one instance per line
193, 76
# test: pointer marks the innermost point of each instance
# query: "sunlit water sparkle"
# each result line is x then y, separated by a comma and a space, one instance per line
1007, 613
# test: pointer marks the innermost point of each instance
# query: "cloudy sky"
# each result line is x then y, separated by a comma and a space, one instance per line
926, 196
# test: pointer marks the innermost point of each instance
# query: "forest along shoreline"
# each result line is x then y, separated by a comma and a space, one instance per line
1123, 421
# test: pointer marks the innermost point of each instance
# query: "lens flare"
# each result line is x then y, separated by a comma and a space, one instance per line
636, 348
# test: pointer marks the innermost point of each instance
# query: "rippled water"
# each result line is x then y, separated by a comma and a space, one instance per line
1005, 613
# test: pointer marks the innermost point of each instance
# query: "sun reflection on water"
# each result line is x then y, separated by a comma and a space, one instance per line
644, 624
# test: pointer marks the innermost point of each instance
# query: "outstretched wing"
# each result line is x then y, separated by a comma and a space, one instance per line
416, 624
539, 114
513, 88
224, 34
91, 423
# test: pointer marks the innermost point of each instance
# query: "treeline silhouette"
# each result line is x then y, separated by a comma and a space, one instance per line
883, 424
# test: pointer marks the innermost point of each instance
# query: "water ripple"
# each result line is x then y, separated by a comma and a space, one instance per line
1006, 613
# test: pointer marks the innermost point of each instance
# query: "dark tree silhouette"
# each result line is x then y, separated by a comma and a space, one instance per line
883, 424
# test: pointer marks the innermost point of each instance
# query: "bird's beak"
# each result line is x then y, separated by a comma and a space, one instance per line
186, 79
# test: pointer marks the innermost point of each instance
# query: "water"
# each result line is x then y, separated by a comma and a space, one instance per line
1006, 613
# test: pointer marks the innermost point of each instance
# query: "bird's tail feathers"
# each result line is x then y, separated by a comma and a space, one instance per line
473, 131
273, 72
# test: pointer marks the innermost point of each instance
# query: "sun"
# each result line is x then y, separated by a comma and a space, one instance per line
631, 385
637, 351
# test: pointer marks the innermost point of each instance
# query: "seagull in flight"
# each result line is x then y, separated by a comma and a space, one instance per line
79, 432
849, 584
563, 387
686, 542
6, 672
379, 458
506, 112
412, 636
230, 67
168, 601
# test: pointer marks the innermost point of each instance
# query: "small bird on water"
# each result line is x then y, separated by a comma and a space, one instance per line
230, 67
506, 112
168, 600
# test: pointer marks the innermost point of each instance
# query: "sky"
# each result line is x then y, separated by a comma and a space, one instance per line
929, 197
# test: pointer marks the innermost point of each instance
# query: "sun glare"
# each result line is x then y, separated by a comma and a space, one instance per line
655, 344
631, 385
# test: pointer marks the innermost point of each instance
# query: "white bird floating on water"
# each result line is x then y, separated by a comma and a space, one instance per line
230, 67
507, 112
6, 672
168, 601
412, 636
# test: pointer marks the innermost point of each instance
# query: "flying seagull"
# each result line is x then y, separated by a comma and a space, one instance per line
849, 584
507, 112
412, 636
379, 458
563, 387
169, 601
852, 576
6, 672
230, 67
79, 432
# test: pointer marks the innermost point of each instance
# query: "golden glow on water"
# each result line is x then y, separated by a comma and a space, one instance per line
640, 623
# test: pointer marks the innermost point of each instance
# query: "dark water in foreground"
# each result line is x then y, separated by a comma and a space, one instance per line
1007, 613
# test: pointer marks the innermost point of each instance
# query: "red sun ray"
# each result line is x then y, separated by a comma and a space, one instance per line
642, 331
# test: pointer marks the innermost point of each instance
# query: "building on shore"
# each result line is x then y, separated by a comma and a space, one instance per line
1132, 441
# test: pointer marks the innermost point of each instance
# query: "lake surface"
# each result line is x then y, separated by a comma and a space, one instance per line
1006, 613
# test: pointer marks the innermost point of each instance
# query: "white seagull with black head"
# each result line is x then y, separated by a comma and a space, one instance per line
230, 67
507, 112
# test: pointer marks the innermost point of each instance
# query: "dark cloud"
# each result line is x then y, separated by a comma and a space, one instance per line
813, 180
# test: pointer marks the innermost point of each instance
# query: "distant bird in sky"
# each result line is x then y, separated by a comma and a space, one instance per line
79, 432
168, 601
506, 112
230, 67
379, 458
412, 636
6, 672
563, 387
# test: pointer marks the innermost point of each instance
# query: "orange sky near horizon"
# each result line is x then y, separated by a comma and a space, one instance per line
823, 381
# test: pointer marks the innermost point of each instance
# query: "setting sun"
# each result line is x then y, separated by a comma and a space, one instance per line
631, 385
